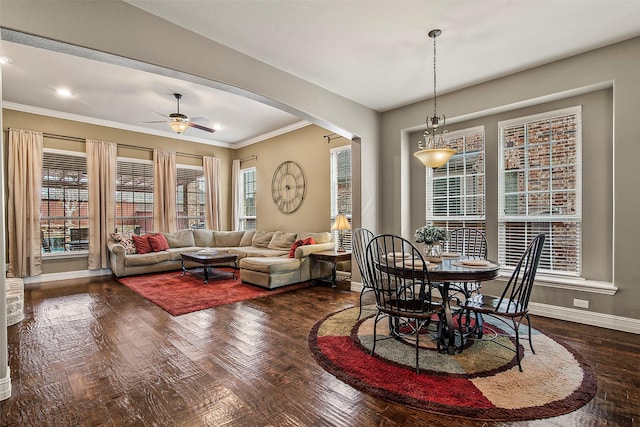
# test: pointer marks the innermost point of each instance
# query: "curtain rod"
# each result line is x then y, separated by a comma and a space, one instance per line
332, 136
251, 157
133, 147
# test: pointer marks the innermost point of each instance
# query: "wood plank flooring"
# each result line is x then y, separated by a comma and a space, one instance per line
94, 353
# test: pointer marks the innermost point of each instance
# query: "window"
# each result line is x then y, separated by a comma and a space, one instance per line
456, 191
190, 197
64, 223
247, 212
134, 195
341, 189
540, 189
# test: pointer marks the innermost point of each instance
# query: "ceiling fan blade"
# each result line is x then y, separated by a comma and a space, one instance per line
157, 121
163, 115
199, 119
193, 125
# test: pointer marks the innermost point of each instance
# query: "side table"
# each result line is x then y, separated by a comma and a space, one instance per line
332, 257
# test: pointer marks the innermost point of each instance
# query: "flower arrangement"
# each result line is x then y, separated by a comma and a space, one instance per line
430, 234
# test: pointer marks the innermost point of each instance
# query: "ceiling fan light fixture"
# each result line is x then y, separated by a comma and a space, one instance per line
430, 155
178, 125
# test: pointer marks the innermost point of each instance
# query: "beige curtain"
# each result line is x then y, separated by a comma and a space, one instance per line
23, 216
164, 191
236, 192
101, 168
211, 168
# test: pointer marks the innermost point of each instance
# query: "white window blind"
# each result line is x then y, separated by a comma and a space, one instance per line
248, 199
190, 194
456, 191
340, 163
540, 189
64, 202
134, 195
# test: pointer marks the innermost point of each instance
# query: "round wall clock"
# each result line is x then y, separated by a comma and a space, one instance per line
287, 187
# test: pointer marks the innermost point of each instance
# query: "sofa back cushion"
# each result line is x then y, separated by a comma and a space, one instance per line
158, 242
247, 238
227, 238
322, 237
203, 238
261, 239
282, 241
180, 239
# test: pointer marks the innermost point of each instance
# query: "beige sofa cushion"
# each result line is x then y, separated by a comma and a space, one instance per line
146, 259
247, 238
203, 238
227, 238
261, 239
322, 237
270, 265
180, 239
282, 241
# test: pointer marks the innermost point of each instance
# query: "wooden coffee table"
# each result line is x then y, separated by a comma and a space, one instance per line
208, 262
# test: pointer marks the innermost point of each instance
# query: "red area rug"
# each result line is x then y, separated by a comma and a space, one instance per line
179, 294
483, 382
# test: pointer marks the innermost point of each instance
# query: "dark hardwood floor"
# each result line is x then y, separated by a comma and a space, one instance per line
94, 353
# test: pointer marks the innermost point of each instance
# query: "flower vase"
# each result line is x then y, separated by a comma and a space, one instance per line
433, 252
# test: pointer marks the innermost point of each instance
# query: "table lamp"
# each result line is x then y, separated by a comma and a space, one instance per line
341, 223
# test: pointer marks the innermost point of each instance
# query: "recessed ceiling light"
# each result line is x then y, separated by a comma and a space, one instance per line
217, 126
5, 59
64, 92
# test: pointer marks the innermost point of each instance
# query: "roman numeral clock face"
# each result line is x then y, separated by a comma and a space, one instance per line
287, 187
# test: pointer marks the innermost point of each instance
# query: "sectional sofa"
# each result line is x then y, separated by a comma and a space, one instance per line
264, 256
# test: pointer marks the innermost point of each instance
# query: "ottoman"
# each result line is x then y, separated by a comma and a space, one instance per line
270, 272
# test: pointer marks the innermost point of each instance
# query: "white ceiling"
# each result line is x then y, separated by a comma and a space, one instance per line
376, 53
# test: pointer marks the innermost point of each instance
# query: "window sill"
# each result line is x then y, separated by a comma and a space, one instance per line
570, 283
63, 255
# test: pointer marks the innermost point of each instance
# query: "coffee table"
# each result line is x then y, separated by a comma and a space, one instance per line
208, 262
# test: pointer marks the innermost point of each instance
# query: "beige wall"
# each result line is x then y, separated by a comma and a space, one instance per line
307, 148
50, 125
605, 81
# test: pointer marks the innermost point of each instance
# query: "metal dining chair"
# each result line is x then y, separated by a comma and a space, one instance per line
513, 304
404, 295
360, 239
471, 243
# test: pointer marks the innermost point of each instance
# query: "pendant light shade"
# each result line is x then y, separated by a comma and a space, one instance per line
432, 152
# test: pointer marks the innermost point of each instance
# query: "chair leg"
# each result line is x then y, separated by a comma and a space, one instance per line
360, 309
375, 330
529, 327
516, 327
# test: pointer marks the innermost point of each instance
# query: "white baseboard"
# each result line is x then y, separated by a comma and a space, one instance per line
584, 317
5, 386
54, 277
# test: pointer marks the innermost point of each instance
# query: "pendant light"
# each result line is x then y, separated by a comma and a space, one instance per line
428, 153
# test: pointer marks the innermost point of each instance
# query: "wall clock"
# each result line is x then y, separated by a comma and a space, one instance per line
287, 187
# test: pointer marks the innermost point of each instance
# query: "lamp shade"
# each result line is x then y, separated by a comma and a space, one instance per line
178, 125
434, 157
341, 223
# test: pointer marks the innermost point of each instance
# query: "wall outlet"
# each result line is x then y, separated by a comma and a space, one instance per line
582, 303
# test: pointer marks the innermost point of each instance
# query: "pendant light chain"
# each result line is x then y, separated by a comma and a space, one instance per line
435, 101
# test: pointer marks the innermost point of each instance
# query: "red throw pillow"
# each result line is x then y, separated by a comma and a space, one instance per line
298, 243
142, 243
295, 246
158, 242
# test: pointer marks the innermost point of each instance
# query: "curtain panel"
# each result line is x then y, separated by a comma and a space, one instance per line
101, 169
24, 196
235, 195
164, 191
211, 168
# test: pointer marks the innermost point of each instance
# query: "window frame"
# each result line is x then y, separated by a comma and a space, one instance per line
80, 218
147, 219
243, 219
199, 194
451, 222
334, 174
546, 220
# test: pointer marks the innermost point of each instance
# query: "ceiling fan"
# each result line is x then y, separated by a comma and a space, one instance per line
179, 122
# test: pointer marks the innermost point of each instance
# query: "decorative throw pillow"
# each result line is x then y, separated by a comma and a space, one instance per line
124, 238
142, 243
298, 243
158, 242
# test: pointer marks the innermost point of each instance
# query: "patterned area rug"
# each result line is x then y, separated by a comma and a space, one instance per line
178, 294
483, 382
